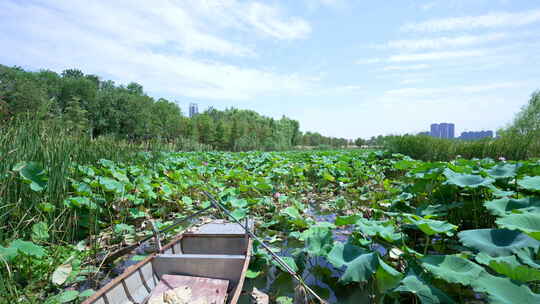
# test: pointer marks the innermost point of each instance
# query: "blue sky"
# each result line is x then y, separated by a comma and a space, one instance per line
342, 68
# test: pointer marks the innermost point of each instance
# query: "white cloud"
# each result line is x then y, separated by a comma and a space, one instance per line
414, 67
444, 42
449, 91
155, 43
499, 19
436, 55
370, 61
428, 6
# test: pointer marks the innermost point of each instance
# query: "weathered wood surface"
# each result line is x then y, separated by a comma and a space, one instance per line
201, 290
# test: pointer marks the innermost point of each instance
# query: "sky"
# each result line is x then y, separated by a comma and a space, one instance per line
342, 68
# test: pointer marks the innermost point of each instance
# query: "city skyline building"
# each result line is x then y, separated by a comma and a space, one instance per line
443, 130
193, 109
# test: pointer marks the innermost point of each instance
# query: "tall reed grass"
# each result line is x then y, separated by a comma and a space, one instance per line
49, 144
423, 147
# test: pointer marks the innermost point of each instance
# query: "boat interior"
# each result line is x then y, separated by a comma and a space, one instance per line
209, 262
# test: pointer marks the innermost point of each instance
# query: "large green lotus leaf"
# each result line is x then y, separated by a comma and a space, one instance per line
33, 174
510, 267
424, 291
527, 256
437, 210
8, 253
318, 240
503, 290
361, 268
40, 232
452, 268
466, 180
28, 248
531, 183
499, 192
503, 171
344, 253
506, 205
292, 212
528, 222
383, 229
497, 242
386, 276
111, 185
347, 220
431, 227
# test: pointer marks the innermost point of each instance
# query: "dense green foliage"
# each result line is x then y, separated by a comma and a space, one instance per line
359, 226
88, 106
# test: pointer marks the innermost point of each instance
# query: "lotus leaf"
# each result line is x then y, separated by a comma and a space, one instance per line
423, 290
383, 229
33, 174
504, 206
431, 227
528, 222
531, 183
387, 277
497, 242
452, 268
318, 240
466, 180
510, 267
342, 254
503, 171
28, 248
503, 290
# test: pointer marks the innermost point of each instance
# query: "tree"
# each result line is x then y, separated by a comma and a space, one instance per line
359, 142
527, 121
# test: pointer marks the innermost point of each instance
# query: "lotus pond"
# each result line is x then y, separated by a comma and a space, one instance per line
360, 227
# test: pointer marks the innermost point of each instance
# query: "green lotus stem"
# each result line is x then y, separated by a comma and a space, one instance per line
426, 245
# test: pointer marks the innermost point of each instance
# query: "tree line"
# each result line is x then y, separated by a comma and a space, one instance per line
86, 105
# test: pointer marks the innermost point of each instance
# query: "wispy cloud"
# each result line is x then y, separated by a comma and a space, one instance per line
444, 42
370, 61
430, 56
414, 67
499, 19
413, 92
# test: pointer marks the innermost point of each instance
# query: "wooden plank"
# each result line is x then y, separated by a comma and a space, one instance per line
196, 289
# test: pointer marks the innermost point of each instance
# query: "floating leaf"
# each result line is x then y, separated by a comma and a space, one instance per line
347, 220
497, 242
67, 296
531, 183
111, 185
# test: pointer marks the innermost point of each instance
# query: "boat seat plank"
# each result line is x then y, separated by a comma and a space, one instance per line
224, 267
201, 290
203, 244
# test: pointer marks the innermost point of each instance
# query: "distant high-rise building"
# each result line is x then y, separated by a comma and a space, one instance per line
435, 131
193, 109
475, 135
451, 130
443, 130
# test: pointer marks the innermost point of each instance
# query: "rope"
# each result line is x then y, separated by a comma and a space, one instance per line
276, 257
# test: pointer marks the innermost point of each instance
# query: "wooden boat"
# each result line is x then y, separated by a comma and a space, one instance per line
206, 265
